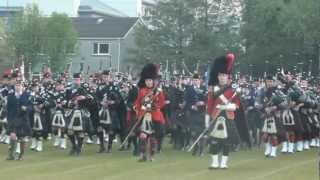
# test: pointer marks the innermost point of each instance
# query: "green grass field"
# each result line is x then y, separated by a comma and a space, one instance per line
55, 164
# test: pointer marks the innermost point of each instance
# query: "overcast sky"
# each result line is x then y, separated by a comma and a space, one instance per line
126, 6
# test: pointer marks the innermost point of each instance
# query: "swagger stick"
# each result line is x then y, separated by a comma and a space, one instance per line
130, 133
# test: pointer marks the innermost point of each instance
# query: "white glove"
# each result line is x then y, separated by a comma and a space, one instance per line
193, 107
228, 107
207, 120
200, 103
258, 106
24, 108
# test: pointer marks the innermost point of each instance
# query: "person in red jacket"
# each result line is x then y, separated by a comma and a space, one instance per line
148, 106
221, 110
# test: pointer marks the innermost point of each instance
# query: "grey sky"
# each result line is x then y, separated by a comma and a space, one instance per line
128, 7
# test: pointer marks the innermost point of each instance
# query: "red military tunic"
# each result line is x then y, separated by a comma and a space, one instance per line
158, 103
212, 109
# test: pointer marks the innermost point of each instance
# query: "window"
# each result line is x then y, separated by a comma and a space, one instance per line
100, 49
104, 49
95, 48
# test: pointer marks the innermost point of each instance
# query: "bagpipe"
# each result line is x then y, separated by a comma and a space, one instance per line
109, 99
82, 98
297, 94
82, 94
270, 105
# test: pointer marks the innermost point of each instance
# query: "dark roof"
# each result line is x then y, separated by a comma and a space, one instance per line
149, 2
11, 8
99, 7
82, 8
10, 11
106, 27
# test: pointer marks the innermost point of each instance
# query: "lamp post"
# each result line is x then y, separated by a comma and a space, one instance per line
301, 68
30, 72
295, 69
280, 60
251, 71
296, 54
266, 68
100, 65
83, 60
70, 58
49, 62
319, 57
110, 62
237, 69
310, 67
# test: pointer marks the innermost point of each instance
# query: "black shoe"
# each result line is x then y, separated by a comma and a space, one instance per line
143, 159
72, 152
194, 153
152, 159
108, 151
10, 158
122, 149
101, 150
135, 153
20, 158
212, 168
78, 151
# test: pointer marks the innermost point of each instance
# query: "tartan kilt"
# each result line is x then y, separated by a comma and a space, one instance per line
233, 136
75, 122
56, 122
22, 128
196, 122
306, 125
298, 127
87, 123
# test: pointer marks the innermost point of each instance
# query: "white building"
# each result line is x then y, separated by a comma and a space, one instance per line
70, 7
117, 8
133, 8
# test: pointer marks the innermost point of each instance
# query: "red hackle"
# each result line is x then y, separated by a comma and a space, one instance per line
230, 60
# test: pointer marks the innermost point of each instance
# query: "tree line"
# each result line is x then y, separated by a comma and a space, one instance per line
265, 35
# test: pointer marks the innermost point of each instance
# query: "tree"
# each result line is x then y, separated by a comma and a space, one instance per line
302, 21
60, 40
166, 36
36, 39
283, 33
217, 32
26, 37
186, 30
3, 44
